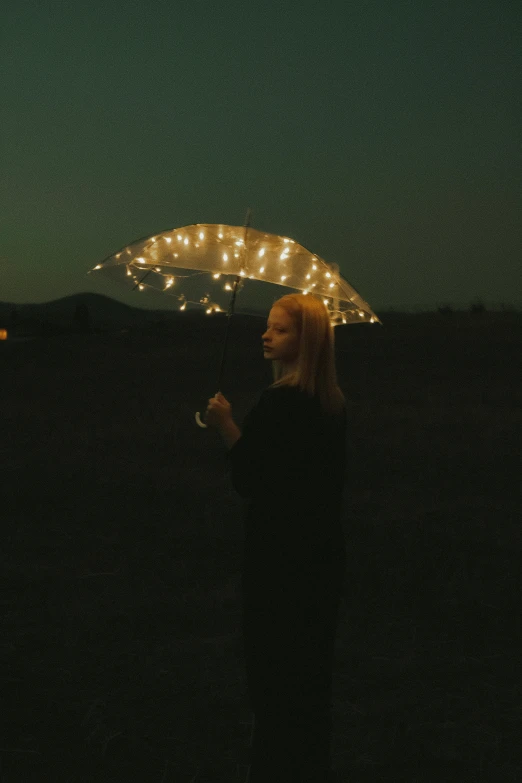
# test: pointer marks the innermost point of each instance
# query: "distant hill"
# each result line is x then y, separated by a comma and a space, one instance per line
100, 307
104, 313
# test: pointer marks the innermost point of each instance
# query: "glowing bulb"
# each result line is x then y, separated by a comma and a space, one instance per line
262, 269
314, 268
98, 267
201, 235
332, 285
220, 236
141, 287
283, 277
153, 239
170, 282
168, 239
183, 306
328, 274
209, 311
185, 241
262, 252
157, 269
117, 255
225, 256
228, 287
179, 237
284, 255
372, 320
308, 276
141, 260
129, 273
325, 301
361, 313
217, 276
242, 273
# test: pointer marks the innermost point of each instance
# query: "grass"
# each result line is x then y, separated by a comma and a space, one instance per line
121, 645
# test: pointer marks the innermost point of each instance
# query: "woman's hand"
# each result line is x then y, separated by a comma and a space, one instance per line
219, 412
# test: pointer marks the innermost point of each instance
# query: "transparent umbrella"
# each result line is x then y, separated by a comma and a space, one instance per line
199, 264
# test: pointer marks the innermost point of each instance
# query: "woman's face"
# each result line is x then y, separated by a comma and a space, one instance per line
281, 337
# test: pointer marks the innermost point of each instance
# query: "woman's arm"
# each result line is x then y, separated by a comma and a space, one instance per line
264, 444
230, 433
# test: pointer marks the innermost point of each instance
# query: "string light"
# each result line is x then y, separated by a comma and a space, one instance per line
210, 251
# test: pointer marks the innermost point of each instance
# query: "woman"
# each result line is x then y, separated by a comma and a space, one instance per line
288, 463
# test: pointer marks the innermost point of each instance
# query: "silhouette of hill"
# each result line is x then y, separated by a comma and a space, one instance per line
104, 313
100, 307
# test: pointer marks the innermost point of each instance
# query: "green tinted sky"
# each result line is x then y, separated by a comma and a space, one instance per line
384, 136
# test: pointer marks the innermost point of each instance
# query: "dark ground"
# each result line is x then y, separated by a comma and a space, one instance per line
122, 541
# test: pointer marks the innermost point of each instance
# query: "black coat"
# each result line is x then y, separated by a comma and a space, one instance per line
289, 466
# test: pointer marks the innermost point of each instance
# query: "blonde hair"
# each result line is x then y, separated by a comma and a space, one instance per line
315, 371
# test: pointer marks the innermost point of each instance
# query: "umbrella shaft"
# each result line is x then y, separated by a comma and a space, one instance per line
230, 312
229, 316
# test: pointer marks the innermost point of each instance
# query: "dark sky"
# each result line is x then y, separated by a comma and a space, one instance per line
383, 136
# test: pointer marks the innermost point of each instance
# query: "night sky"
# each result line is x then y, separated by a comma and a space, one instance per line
383, 136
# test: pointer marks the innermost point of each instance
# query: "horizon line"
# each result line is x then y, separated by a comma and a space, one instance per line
502, 305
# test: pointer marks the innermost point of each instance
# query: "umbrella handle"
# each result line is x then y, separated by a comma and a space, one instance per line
199, 422
198, 419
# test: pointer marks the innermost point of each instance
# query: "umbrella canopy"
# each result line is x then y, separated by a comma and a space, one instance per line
198, 264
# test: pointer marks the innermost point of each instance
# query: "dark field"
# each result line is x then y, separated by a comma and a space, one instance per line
122, 549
